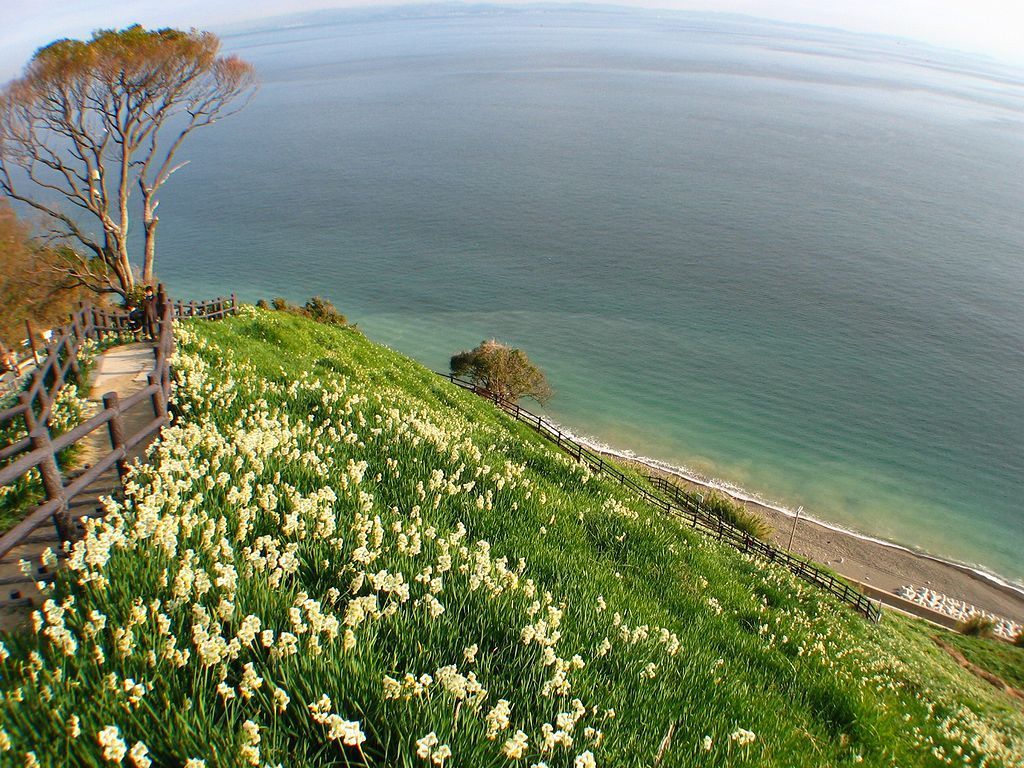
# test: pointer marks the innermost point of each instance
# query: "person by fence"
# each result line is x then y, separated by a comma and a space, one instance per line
136, 319
151, 313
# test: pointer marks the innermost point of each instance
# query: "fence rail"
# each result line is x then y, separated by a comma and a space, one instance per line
680, 506
40, 449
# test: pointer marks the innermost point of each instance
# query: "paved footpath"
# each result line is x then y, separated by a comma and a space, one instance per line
124, 370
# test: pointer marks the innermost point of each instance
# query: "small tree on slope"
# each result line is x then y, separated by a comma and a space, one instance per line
503, 371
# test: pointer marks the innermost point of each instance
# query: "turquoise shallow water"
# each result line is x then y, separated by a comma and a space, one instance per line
785, 258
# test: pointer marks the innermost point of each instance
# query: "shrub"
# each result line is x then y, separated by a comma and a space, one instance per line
503, 371
320, 309
1019, 639
737, 515
135, 296
977, 625
317, 308
263, 304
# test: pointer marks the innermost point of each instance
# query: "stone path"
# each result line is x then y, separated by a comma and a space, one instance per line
123, 370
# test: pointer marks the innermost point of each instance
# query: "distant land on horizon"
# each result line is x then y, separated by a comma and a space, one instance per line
11, 64
326, 16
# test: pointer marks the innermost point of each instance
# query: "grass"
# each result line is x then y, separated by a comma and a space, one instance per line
1002, 659
336, 558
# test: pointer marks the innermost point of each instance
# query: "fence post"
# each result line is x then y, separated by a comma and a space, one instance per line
159, 406
30, 417
52, 351
165, 383
234, 304
31, 341
115, 427
44, 396
169, 321
72, 349
53, 484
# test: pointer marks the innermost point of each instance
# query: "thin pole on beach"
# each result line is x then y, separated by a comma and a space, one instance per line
792, 533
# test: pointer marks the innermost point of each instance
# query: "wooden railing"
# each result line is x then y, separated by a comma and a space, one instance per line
40, 449
679, 505
211, 310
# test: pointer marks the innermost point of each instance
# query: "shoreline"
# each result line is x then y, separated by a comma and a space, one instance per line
885, 565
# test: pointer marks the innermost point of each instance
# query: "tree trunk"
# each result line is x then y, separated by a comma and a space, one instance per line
117, 260
149, 222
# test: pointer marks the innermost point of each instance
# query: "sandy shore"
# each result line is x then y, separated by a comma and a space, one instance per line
885, 566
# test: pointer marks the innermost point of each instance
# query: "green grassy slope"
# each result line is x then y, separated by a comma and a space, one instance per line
995, 656
337, 558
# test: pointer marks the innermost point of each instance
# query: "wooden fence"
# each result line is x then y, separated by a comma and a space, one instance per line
40, 450
679, 505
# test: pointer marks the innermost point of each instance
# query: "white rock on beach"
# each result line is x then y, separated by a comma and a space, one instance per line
957, 609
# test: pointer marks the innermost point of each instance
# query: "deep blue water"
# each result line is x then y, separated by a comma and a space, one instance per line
786, 258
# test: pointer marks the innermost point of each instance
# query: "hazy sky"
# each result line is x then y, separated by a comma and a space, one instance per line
993, 27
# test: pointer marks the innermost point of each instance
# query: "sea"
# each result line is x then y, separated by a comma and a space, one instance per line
789, 260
